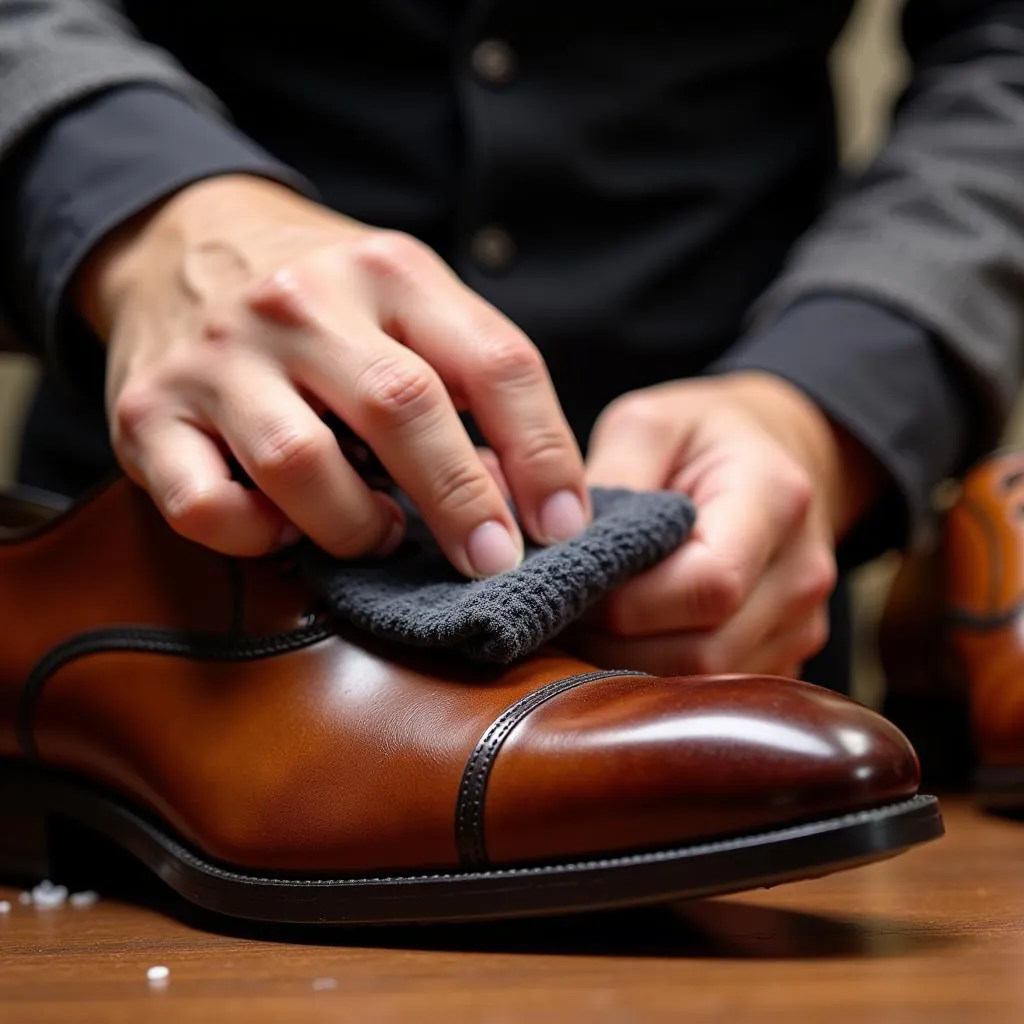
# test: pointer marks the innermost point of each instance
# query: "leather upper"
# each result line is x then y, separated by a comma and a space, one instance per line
984, 561
211, 695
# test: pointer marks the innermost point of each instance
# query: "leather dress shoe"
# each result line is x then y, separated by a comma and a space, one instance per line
204, 714
952, 640
983, 554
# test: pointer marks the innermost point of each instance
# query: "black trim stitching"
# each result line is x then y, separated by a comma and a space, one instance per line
150, 640
981, 622
469, 808
781, 834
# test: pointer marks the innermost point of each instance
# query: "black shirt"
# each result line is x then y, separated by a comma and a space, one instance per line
623, 181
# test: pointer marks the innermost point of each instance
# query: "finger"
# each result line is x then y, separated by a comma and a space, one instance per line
657, 656
633, 447
784, 622
493, 466
752, 512
397, 403
188, 479
500, 375
295, 460
785, 651
707, 653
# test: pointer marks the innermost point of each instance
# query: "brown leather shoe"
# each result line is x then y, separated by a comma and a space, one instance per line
983, 553
925, 692
268, 764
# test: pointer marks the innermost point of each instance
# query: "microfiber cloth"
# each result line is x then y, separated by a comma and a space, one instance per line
415, 597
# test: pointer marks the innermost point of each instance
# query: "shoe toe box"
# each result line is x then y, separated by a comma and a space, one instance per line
636, 763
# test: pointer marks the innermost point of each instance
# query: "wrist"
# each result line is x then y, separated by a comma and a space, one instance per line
211, 208
846, 475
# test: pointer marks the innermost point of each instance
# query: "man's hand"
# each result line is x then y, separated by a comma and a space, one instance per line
775, 484
237, 312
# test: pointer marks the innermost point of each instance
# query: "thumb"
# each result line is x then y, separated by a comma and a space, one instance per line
632, 446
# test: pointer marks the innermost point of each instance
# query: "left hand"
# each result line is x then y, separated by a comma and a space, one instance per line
775, 484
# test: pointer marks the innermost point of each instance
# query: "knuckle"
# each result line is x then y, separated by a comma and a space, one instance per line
392, 254
634, 409
457, 485
821, 576
814, 635
219, 332
507, 359
718, 591
189, 510
545, 446
134, 408
710, 659
395, 392
285, 297
358, 534
796, 490
812, 579
282, 452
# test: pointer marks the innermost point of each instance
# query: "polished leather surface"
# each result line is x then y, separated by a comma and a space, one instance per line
344, 757
983, 555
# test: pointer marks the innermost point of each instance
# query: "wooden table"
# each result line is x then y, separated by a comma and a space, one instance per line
934, 936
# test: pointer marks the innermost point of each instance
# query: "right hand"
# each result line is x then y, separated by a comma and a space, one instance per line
238, 311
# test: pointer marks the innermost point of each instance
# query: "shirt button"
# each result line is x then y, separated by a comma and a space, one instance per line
492, 249
494, 61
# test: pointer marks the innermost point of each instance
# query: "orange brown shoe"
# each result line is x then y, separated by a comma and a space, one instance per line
207, 716
983, 556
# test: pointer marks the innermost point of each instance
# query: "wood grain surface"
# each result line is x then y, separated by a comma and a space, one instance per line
934, 936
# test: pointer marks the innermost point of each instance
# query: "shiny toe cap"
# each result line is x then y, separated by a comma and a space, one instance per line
639, 763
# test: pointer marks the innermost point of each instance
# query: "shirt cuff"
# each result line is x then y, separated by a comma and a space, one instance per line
887, 381
88, 171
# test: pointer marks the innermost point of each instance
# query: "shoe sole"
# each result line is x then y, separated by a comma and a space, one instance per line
34, 803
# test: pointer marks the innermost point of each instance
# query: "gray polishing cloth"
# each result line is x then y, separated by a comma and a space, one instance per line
415, 597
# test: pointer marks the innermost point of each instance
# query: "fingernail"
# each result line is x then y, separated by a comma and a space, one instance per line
290, 535
394, 537
562, 517
492, 550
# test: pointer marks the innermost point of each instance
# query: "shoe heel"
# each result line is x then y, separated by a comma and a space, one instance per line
25, 839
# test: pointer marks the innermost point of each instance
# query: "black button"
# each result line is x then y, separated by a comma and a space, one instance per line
493, 249
494, 61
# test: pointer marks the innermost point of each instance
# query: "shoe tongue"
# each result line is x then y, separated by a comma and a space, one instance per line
416, 598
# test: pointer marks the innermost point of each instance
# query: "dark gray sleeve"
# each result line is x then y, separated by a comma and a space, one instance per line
91, 169
55, 52
934, 228
890, 384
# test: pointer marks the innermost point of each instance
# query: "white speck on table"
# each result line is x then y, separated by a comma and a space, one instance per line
158, 974
48, 896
